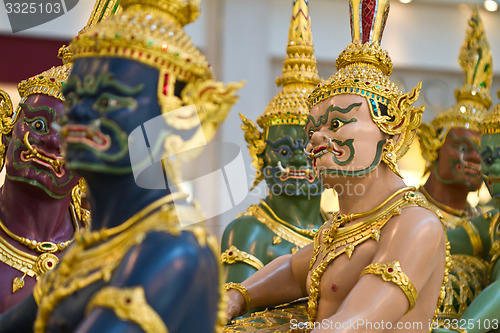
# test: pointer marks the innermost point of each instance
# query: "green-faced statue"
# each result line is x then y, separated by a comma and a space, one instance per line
481, 237
287, 218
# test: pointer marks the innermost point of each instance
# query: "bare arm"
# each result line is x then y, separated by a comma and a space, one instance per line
282, 280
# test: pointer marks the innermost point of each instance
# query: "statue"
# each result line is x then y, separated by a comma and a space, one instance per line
380, 260
483, 314
450, 143
136, 268
40, 200
288, 217
451, 147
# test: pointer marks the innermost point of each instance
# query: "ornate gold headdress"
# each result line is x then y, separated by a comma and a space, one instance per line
364, 69
491, 121
473, 98
151, 32
299, 77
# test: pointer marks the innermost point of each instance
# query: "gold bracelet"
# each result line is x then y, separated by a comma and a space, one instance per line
475, 239
233, 254
243, 291
129, 304
392, 272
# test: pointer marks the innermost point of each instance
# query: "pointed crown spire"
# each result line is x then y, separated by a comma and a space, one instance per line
299, 75
298, 79
473, 98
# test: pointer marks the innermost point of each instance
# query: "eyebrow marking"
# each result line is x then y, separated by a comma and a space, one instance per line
298, 143
92, 85
323, 119
39, 108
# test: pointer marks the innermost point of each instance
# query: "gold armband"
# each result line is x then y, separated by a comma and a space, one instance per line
129, 304
475, 239
243, 291
232, 255
392, 272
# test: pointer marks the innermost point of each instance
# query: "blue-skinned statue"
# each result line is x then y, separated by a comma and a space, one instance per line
136, 269
288, 217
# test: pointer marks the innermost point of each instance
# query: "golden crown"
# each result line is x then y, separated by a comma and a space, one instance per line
473, 98
48, 83
491, 121
364, 69
150, 32
298, 79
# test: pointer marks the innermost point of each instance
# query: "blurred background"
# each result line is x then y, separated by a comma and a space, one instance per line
246, 40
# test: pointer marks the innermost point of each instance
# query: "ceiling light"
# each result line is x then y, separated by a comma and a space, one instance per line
490, 5
405, 1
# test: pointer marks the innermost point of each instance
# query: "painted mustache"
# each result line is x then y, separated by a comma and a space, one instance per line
42, 158
322, 150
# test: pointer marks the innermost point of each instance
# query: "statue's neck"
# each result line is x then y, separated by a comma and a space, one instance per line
29, 212
361, 194
448, 194
301, 211
115, 198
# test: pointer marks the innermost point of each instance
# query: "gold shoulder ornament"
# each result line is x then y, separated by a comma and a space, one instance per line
234, 255
129, 304
392, 272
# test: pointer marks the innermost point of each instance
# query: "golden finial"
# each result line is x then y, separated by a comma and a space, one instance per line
364, 69
473, 98
298, 79
491, 121
101, 10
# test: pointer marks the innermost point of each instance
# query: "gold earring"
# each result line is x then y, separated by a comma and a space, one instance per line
389, 157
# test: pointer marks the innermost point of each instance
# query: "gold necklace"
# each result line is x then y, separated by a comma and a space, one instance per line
45, 246
303, 232
26, 263
89, 238
350, 237
442, 206
339, 220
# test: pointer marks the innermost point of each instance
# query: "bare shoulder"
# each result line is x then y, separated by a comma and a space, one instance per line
417, 223
417, 234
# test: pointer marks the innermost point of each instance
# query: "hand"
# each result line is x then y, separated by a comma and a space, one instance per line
235, 304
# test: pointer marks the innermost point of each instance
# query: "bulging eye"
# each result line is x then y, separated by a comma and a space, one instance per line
284, 152
38, 125
336, 124
488, 160
310, 133
463, 149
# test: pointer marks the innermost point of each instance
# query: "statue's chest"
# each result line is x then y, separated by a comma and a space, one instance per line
342, 273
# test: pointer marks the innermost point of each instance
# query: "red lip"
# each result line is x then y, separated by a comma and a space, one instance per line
84, 134
318, 149
307, 174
